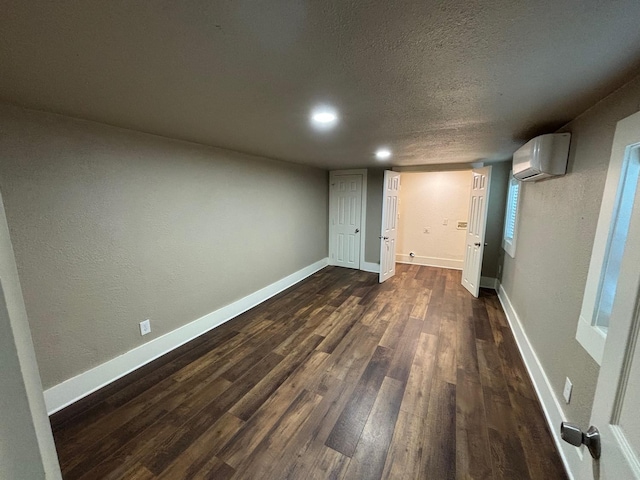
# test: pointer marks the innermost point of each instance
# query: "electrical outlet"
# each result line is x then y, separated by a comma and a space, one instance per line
568, 387
145, 327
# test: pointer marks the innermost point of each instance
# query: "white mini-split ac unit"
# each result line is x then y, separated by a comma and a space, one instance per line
542, 157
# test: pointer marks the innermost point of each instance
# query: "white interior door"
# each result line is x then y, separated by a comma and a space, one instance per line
389, 231
617, 399
476, 227
346, 210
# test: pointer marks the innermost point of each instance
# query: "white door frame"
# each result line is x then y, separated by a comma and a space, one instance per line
25, 390
363, 212
619, 460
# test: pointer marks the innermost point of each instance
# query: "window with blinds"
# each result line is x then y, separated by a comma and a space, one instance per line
511, 217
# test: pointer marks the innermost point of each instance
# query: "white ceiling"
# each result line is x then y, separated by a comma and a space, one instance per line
436, 81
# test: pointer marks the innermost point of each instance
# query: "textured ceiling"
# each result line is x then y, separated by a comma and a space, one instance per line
436, 81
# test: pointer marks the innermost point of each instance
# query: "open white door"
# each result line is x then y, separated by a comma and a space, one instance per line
474, 247
389, 225
617, 398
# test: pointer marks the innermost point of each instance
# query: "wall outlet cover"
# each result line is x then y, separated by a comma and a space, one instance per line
145, 327
568, 387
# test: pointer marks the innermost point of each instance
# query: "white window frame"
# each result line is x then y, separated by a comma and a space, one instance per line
509, 243
589, 335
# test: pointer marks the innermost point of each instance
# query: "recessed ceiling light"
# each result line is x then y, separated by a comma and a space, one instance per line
324, 117
383, 153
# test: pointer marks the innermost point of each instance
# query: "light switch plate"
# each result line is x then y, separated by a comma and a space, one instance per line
568, 387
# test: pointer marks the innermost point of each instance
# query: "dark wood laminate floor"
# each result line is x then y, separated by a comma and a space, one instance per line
338, 377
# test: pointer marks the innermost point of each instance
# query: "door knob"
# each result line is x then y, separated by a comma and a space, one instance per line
383, 238
572, 434
477, 244
357, 230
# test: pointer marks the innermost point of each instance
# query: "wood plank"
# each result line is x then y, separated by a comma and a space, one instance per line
472, 438
439, 461
215, 469
397, 316
281, 434
370, 455
412, 378
331, 465
176, 438
342, 326
194, 460
257, 396
418, 388
405, 350
481, 320
419, 310
407, 446
347, 430
446, 364
304, 450
539, 449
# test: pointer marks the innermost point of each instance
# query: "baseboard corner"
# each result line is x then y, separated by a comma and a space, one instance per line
370, 267
489, 282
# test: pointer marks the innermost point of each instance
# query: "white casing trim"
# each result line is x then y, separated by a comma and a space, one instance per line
571, 456
370, 267
430, 261
591, 338
489, 282
78, 387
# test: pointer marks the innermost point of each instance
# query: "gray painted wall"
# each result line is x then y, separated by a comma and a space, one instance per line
375, 184
111, 227
546, 279
495, 218
27, 450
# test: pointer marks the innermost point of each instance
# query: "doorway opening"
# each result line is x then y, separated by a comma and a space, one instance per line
441, 219
433, 218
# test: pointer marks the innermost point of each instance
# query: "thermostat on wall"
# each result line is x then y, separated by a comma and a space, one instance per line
462, 226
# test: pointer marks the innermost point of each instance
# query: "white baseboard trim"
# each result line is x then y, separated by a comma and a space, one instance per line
489, 282
571, 456
430, 261
78, 387
370, 267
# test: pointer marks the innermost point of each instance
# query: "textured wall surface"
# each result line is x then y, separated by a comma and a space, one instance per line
426, 199
111, 227
375, 185
546, 279
495, 218
27, 450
